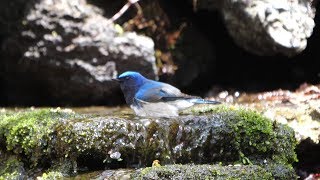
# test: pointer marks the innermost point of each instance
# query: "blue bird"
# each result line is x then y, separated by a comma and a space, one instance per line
153, 98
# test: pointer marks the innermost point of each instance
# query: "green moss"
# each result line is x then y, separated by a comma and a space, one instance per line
10, 168
30, 132
202, 172
253, 132
284, 144
216, 172
256, 137
50, 175
206, 109
9, 176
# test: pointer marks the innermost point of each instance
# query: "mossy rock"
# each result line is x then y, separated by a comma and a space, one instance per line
31, 133
63, 140
203, 172
10, 167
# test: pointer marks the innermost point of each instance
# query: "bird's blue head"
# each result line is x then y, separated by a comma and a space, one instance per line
130, 82
130, 79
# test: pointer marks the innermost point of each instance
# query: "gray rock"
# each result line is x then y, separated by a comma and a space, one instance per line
66, 52
267, 27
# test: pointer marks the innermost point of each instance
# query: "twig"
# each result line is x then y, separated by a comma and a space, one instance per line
125, 8
194, 4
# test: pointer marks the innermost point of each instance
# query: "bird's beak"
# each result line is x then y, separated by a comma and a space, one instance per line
116, 79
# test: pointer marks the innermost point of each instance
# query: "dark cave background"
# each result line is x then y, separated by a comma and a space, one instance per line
232, 69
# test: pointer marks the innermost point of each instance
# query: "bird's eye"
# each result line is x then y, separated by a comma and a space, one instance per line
127, 78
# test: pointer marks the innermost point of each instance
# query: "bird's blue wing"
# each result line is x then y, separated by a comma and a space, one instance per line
154, 91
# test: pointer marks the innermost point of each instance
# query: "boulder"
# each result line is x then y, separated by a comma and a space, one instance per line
266, 27
66, 52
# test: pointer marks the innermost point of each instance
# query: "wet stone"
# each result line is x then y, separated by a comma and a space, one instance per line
75, 143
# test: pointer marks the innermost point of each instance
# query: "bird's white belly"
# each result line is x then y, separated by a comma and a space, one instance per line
161, 109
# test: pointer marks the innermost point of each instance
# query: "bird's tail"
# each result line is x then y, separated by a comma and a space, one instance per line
203, 101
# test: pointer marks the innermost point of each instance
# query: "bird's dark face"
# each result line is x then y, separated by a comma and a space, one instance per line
130, 82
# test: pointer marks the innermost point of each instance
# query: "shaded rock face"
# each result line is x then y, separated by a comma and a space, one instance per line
66, 52
267, 27
308, 154
193, 53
